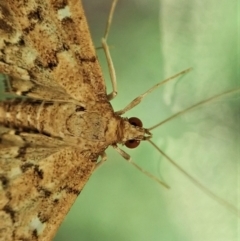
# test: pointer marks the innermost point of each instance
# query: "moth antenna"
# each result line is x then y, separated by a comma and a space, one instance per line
198, 184
137, 100
105, 47
201, 103
129, 159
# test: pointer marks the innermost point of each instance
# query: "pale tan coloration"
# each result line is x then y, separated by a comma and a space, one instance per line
50, 141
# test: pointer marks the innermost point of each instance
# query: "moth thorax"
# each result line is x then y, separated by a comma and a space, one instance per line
88, 125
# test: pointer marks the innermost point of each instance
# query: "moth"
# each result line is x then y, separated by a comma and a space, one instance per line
119, 188
52, 138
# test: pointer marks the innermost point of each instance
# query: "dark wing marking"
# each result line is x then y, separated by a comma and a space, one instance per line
48, 44
38, 185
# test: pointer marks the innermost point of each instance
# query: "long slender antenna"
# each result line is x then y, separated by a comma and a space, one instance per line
201, 103
198, 184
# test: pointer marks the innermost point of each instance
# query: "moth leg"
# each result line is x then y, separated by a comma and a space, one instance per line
103, 159
129, 159
113, 94
138, 99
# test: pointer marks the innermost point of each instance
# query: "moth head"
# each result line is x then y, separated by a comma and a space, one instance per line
133, 132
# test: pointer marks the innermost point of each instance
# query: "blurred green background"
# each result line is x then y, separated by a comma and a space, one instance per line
151, 40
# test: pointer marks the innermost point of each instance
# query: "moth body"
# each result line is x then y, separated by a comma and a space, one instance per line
51, 138
71, 123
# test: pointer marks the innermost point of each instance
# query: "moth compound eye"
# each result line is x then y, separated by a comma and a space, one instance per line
132, 143
135, 121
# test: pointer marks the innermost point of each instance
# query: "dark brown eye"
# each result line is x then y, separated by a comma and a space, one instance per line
135, 121
132, 143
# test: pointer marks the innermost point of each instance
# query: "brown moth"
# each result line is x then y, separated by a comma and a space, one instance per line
117, 188
120, 198
51, 140
56, 136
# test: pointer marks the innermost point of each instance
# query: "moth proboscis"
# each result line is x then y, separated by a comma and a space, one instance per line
50, 141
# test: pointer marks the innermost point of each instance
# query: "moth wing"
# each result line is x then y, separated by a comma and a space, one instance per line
38, 186
14, 85
48, 44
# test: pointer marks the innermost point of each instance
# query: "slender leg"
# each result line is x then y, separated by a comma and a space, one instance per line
103, 159
128, 158
108, 55
137, 100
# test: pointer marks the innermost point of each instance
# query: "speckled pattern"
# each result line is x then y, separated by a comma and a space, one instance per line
50, 140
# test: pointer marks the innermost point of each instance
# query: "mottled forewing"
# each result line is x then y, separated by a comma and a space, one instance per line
46, 53
47, 45
38, 186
